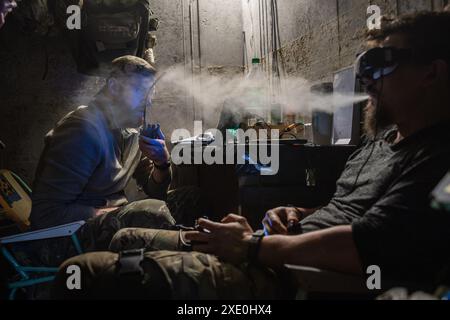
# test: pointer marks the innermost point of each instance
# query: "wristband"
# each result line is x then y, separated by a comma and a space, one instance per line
254, 245
162, 167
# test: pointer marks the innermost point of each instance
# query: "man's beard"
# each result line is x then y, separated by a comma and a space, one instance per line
130, 118
375, 119
126, 119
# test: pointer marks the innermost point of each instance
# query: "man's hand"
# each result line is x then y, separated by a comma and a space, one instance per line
6, 6
227, 240
277, 220
155, 149
239, 219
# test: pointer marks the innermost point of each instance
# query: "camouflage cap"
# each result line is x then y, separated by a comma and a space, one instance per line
132, 65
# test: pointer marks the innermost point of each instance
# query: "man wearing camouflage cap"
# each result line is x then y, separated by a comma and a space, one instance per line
94, 151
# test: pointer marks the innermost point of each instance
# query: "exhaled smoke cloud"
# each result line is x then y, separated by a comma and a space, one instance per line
210, 92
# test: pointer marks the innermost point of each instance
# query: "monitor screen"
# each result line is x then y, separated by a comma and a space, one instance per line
347, 117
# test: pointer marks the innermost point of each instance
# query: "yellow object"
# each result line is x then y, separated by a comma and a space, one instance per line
447, 190
15, 202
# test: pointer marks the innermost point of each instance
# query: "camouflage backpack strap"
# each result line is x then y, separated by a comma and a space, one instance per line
140, 277
144, 7
34, 16
130, 262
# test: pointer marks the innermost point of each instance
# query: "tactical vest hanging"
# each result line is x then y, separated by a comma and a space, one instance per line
109, 29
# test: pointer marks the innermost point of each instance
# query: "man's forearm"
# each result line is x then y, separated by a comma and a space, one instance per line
330, 249
160, 176
157, 184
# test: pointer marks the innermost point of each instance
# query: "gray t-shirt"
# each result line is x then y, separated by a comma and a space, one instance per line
388, 205
86, 164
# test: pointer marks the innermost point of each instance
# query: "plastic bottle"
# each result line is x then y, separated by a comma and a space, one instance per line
257, 105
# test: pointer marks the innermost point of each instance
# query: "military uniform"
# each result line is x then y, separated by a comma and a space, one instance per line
168, 273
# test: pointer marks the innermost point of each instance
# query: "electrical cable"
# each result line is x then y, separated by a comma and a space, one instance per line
191, 42
199, 42
260, 29
279, 46
183, 18
268, 49
263, 21
275, 67
276, 79
277, 40
183, 23
46, 63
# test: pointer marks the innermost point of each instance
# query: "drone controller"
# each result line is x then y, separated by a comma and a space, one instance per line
151, 130
198, 228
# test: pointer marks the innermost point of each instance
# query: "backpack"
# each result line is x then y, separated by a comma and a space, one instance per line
33, 17
109, 29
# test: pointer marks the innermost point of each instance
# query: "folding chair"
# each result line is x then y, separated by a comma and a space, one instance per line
26, 273
314, 282
15, 206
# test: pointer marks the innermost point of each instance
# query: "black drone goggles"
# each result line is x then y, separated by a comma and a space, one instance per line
379, 62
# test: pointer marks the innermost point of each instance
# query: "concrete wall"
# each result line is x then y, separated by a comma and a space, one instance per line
30, 106
319, 37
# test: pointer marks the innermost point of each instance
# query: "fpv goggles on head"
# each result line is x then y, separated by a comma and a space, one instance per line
379, 62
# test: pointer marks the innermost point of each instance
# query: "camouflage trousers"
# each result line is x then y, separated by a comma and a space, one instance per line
167, 273
97, 233
183, 205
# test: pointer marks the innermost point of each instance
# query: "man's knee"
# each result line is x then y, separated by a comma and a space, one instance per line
148, 239
100, 277
195, 275
97, 233
148, 213
77, 275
